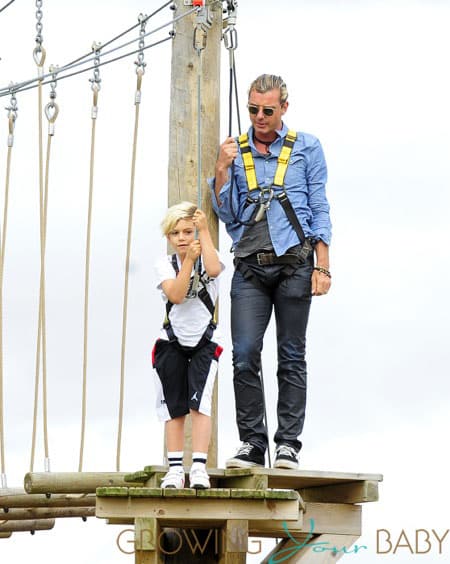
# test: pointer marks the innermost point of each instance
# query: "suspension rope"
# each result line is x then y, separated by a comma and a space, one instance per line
140, 70
39, 55
12, 116
29, 84
95, 86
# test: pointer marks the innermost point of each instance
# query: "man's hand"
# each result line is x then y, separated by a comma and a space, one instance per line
227, 153
320, 283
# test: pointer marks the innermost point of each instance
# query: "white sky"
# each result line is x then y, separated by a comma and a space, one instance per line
370, 79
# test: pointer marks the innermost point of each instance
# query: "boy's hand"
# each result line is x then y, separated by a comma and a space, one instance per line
200, 221
194, 250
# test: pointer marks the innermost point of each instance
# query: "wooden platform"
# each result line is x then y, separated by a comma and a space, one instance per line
300, 507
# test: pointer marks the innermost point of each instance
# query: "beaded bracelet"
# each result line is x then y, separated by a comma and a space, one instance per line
323, 271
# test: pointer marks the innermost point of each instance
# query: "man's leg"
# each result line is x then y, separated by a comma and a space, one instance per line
292, 300
251, 308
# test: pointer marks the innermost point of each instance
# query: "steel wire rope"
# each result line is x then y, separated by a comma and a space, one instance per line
124, 32
12, 115
6, 5
140, 70
29, 84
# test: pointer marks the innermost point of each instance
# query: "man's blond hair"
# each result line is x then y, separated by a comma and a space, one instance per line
266, 82
183, 210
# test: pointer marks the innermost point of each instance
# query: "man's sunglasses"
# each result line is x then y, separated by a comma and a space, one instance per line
255, 109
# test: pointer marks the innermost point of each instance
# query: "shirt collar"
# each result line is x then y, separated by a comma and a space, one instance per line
280, 132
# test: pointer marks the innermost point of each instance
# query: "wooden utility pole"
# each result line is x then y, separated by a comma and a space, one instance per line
187, 63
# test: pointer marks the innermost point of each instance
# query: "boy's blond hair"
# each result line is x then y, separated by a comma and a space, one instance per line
183, 210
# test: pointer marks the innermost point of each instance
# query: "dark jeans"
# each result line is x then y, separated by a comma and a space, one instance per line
251, 308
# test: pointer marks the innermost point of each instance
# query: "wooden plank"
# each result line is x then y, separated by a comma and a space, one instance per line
296, 479
28, 525
5, 535
326, 518
351, 492
319, 549
41, 500
47, 513
235, 542
206, 510
71, 482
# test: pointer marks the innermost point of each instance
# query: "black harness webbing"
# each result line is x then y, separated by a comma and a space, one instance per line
204, 297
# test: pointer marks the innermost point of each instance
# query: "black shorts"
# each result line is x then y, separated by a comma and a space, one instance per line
184, 377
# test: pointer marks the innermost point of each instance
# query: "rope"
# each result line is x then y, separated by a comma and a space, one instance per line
41, 345
11, 120
87, 270
140, 73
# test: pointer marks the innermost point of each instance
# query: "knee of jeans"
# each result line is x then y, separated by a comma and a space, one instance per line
245, 355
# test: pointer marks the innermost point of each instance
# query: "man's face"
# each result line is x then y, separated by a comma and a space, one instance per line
262, 123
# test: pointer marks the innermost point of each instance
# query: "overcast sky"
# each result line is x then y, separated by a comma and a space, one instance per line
370, 79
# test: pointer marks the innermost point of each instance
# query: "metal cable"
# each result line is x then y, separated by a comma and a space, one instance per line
6, 5
29, 84
123, 32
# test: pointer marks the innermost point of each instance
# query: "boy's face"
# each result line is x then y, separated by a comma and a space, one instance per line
182, 236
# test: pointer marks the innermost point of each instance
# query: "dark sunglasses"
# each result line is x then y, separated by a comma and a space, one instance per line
255, 109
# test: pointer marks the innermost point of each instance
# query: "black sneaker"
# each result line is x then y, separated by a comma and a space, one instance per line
286, 457
247, 456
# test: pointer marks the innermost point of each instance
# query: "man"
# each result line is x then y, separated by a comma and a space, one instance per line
276, 212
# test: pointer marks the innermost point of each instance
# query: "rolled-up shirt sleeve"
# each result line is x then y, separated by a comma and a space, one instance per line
316, 178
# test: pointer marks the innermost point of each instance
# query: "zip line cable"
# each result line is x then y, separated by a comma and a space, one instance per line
29, 84
6, 5
123, 32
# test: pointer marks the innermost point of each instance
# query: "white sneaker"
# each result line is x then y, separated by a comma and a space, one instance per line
198, 477
174, 478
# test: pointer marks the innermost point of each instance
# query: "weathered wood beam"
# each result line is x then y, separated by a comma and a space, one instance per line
71, 482
40, 500
174, 510
30, 525
321, 517
47, 513
352, 492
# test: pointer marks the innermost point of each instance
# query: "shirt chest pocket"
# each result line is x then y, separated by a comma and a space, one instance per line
296, 174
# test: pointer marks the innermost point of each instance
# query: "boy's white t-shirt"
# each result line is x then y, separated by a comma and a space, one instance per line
189, 319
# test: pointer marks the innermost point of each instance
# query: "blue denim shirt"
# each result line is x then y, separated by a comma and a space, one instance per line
304, 184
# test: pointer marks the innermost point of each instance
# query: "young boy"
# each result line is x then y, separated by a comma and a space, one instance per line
186, 354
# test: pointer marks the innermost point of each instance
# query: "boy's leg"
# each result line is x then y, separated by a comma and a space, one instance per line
175, 434
201, 377
201, 431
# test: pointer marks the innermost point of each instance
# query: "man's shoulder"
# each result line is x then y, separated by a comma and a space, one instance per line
307, 139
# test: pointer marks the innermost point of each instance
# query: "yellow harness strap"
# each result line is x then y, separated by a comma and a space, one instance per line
249, 164
283, 160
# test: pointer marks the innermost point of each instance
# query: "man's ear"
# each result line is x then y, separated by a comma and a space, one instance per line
284, 107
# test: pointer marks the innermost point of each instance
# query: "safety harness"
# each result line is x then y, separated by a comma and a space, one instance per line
267, 194
204, 297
